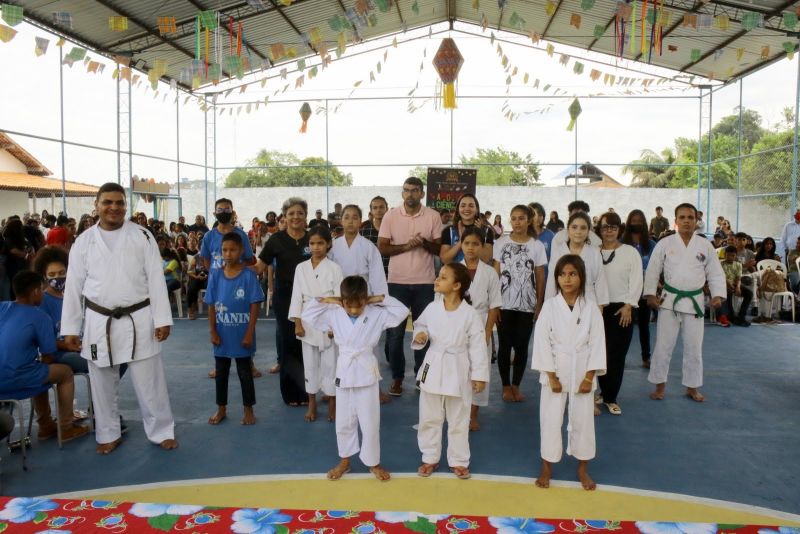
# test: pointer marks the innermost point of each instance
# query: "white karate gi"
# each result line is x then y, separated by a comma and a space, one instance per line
456, 357
319, 352
362, 258
120, 278
596, 286
686, 268
357, 372
569, 343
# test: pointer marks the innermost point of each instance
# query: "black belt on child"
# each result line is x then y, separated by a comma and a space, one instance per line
117, 313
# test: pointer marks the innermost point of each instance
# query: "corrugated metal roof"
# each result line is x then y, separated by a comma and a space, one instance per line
720, 50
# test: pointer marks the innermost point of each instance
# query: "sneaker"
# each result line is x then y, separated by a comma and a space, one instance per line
396, 389
723, 321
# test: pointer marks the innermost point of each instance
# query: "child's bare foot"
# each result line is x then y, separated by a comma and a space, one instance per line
275, 369
474, 425
249, 416
256, 372
380, 473
169, 444
518, 396
508, 396
212, 373
544, 475
384, 398
311, 414
583, 475
332, 409
695, 395
461, 472
596, 410
658, 394
218, 416
341, 468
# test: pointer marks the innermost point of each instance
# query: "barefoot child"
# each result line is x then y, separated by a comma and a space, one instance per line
357, 321
233, 297
316, 278
455, 366
520, 261
569, 351
484, 292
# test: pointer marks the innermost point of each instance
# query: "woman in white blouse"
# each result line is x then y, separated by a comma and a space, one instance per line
622, 266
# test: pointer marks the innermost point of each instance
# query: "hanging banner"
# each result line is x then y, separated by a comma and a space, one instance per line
445, 186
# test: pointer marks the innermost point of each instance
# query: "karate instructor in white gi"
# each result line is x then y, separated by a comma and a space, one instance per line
116, 299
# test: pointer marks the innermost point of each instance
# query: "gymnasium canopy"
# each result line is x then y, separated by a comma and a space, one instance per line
715, 39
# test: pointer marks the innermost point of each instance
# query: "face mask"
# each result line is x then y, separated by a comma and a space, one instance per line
58, 284
224, 218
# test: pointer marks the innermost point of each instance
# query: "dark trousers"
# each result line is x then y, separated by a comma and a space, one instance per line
193, 290
223, 366
747, 298
618, 340
172, 285
416, 297
513, 332
290, 351
643, 323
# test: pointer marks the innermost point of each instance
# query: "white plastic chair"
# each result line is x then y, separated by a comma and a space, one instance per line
178, 302
202, 296
775, 265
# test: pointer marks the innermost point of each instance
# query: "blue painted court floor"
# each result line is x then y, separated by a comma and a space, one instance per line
742, 445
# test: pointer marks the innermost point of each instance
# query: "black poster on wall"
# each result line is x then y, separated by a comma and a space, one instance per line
446, 185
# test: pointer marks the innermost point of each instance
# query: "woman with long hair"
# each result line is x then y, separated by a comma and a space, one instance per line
467, 214
636, 235
767, 251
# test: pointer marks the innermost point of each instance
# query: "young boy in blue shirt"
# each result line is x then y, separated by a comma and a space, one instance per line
25, 332
233, 297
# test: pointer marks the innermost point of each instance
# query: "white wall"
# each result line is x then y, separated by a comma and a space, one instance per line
9, 163
13, 203
755, 217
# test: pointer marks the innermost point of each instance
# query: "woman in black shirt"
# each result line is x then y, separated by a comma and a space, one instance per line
287, 248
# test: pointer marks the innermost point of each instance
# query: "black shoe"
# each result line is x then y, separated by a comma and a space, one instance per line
738, 321
123, 426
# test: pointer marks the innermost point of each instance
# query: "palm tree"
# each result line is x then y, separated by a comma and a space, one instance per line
652, 169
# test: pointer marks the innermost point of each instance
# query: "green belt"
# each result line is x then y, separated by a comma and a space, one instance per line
680, 294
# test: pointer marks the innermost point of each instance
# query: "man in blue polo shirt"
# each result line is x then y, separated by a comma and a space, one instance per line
211, 247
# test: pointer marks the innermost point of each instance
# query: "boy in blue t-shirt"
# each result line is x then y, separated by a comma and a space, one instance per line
25, 332
233, 297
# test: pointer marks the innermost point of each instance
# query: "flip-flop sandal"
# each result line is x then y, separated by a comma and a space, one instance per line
463, 475
335, 478
424, 472
613, 408
372, 470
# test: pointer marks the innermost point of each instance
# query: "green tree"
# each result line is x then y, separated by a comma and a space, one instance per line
751, 128
508, 167
652, 169
287, 170
769, 169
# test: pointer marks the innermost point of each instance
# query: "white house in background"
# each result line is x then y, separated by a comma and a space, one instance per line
27, 185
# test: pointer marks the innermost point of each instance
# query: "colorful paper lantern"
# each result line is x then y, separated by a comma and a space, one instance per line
305, 114
447, 62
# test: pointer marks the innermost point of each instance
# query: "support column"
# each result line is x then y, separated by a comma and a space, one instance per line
61, 113
178, 150
124, 138
699, 146
327, 164
205, 160
739, 157
708, 172
796, 140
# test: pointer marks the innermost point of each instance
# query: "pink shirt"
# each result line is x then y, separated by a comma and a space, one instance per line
414, 266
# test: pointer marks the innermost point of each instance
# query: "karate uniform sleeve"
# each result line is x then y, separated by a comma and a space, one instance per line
600, 282
377, 277
421, 325
597, 343
157, 284
72, 312
543, 359
476, 347
636, 279
338, 276
318, 314
715, 275
550, 288
45, 334
296, 303
393, 311
654, 268
211, 288
495, 297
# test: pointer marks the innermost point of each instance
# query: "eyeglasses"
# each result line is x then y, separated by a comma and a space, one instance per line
609, 227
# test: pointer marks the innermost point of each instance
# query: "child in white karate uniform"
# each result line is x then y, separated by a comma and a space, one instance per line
316, 278
455, 366
357, 321
569, 352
